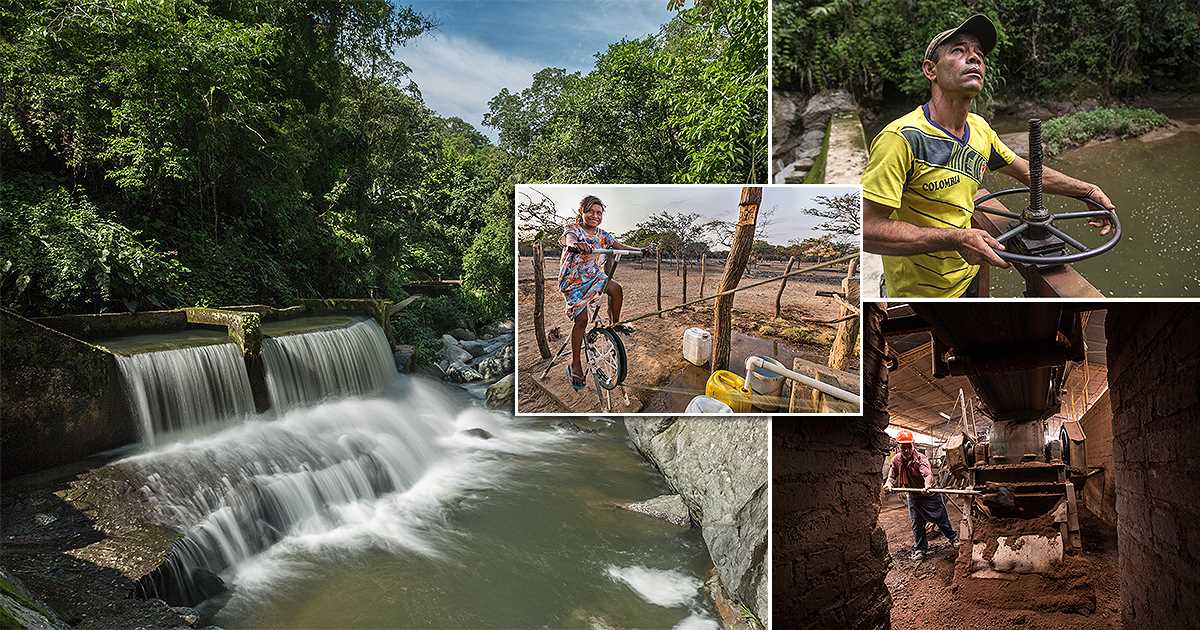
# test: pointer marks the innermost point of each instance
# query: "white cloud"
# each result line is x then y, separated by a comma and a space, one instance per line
458, 76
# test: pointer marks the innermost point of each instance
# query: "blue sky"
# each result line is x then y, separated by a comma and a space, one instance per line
625, 206
480, 47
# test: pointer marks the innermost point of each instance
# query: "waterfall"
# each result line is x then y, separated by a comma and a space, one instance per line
240, 492
309, 367
179, 390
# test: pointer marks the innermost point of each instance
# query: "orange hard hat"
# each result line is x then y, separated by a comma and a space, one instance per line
903, 437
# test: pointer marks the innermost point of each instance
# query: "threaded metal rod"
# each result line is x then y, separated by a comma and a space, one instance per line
1037, 204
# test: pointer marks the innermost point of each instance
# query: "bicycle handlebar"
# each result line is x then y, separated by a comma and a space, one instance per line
602, 250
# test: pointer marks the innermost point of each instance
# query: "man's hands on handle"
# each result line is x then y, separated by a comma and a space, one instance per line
882, 235
978, 247
1103, 223
1057, 183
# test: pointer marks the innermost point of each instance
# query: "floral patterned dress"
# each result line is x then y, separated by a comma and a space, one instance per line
581, 277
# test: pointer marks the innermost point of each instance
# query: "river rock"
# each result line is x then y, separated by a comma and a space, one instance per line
719, 467
786, 122
477, 433
190, 616
476, 348
567, 425
668, 507
497, 328
403, 357
500, 394
498, 364
13, 599
459, 372
452, 352
462, 334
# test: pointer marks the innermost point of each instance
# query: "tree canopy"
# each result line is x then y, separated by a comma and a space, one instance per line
158, 155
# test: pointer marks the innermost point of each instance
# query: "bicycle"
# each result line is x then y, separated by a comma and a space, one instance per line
604, 356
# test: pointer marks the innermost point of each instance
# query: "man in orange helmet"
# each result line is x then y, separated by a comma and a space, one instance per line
911, 470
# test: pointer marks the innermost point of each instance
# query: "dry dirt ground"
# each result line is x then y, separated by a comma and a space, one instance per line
659, 379
928, 594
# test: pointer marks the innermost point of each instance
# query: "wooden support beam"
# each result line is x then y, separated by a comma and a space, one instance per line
684, 280
539, 298
702, 276
735, 266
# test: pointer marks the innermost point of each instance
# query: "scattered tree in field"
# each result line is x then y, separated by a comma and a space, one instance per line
843, 214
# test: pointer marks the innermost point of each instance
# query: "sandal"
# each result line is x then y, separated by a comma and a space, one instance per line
624, 329
577, 382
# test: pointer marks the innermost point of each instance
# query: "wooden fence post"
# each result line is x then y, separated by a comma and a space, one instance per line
684, 280
842, 351
735, 266
539, 296
782, 285
658, 272
702, 277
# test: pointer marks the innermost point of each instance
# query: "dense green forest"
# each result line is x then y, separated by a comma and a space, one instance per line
1047, 49
164, 154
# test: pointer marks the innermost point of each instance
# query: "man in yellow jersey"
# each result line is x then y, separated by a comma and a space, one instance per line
924, 171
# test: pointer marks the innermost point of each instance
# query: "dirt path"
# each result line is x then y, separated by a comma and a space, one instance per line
659, 379
926, 594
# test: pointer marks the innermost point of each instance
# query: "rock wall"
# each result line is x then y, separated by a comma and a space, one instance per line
830, 557
1153, 362
719, 466
62, 398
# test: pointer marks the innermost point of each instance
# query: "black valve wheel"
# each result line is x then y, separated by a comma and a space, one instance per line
1047, 226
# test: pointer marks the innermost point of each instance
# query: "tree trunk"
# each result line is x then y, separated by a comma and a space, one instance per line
658, 273
782, 286
539, 296
735, 266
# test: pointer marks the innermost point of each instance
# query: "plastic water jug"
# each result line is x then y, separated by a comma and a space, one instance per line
704, 404
697, 346
729, 388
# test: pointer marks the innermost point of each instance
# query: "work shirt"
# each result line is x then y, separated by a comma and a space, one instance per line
910, 473
929, 177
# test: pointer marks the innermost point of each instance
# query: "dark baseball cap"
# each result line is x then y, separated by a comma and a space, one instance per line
978, 25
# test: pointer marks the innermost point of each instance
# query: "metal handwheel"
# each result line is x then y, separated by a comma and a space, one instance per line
1032, 226
1034, 230
606, 357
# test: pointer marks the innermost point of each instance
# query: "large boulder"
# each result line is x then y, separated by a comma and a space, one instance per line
463, 334
786, 126
453, 352
824, 105
498, 364
404, 356
719, 467
500, 394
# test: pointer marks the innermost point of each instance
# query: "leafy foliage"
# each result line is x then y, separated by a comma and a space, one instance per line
1071, 48
1075, 129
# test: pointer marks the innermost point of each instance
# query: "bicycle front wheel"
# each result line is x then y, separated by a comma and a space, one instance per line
606, 357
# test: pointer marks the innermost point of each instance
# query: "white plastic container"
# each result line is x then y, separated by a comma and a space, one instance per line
704, 404
697, 346
766, 386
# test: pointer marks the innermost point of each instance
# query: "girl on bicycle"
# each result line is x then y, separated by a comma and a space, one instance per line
582, 279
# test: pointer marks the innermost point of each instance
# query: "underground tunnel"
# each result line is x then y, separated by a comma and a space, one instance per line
1060, 437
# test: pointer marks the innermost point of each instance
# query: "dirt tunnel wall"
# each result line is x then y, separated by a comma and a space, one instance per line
1153, 362
829, 555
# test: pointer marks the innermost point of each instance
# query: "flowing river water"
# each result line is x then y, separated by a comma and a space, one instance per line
362, 501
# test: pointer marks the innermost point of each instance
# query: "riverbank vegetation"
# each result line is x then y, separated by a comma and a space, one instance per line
159, 155
1072, 130
1070, 49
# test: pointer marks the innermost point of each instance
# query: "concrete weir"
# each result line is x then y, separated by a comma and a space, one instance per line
64, 394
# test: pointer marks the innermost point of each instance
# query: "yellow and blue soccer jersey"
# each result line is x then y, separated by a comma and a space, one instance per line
929, 177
